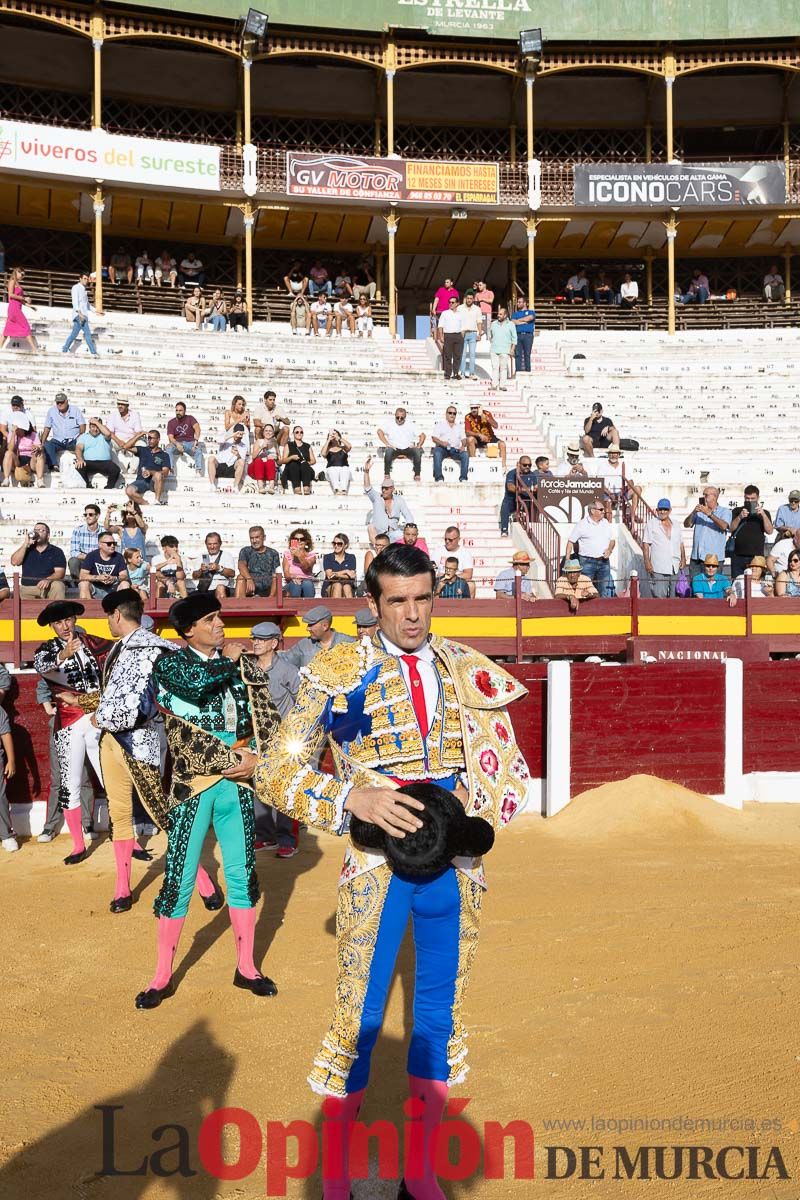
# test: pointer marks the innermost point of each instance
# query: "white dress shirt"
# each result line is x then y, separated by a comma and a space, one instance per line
451, 435
450, 321
400, 437
591, 538
426, 665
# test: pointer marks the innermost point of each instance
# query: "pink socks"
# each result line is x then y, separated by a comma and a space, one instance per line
169, 932
431, 1097
72, 816
339, 1114
243, 921
203, 880
123, 853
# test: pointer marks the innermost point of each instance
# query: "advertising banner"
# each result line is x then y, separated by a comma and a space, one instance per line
666, 185
96, 155
394, 180
568, 499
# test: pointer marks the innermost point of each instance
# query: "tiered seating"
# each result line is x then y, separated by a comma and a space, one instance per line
350, 383
745, 312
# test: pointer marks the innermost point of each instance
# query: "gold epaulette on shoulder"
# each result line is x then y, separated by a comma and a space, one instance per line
336, 672
479, 682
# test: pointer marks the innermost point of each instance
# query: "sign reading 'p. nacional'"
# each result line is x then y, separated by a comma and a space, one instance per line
668, 185
358, 177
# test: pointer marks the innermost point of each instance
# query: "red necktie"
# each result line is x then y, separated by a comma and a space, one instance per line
417, 692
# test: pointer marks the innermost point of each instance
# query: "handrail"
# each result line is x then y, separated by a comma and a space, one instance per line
636, 512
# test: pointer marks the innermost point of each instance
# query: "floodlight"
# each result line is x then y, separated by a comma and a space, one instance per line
530, 45
255, 24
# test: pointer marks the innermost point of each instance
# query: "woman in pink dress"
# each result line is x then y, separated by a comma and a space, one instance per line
16, 322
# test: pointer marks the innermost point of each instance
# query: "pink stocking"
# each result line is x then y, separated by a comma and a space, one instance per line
203, 880
169, 932
431, 1097
243, 921
123, 853
72, 816
339, 1114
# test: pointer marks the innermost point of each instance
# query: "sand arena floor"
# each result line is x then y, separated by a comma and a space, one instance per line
639, 959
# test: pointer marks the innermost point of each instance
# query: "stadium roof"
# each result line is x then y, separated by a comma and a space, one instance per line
578, 21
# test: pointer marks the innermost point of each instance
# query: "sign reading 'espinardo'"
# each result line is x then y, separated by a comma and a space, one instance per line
654, 185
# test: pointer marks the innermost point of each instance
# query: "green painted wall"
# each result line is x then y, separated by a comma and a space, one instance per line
560, 20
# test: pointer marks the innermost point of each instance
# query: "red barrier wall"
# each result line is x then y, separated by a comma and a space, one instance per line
771, 716
529, 715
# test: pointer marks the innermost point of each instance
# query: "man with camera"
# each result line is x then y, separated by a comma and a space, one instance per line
749, 526
43, 565
710, 522
599, 432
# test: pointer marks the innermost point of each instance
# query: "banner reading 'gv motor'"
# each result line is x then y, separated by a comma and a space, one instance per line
394, 179
702, 185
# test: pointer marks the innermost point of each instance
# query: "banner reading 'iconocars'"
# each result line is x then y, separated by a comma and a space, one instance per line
672, 185
358, 177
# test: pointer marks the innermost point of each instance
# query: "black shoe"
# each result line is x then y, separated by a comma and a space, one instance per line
71, 859
214, 901
121, 904
143, 855
260, 986
402, 1192
152, 997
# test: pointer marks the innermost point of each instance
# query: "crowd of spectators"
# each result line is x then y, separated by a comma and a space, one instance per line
325, 303
459, 323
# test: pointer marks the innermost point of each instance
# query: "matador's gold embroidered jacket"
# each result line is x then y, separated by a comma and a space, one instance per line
354, 698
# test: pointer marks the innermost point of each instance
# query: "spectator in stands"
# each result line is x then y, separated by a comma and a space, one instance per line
43, 565
366, 621
169, 571
762, 586
269, 413
103, 570
451, 338
295, 280
480, 428
389, 512
130, 526
125, 427
593, 539
138, 572
710, 522
774, 287
520, 481
145, 272
363, 282
191, 273
298, 461
603, 290
15, 416
83, 539
218, 312
709, 583
298, 565
749, 526
319, 280
787, 582
449, 442
664, 555
17, 325
453, 546
196, 308
778, 557
152, 471
787, 518
572, 467
472, 331
238, 414
166, 268
321, 636
238, 316
411, 537
183, 437
264, 456
336, 453
343, 314
502, 344
343, 284
299, 310
93, 455
441, 304
80, 317
573, 586
450, 586
402, 441
379, 543
120, 267
577, 288
599, 432
628, 291
698, 290
505, 583
5, 590
339, 568
217, 569
364, 322
484, 298
24, 458
230, 460
524, 319
63, 425
258, 566
322, 315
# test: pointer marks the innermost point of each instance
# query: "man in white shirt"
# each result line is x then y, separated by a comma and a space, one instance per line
628, 292
453, 547
664, 554
268, 413
592, 538
230, 460
402, 441
321, 314
452, 339
191, 272
578, 287
778, 557
449, 442
571, 468
216, 570
343, 314
125, 427
472, 329
80, 317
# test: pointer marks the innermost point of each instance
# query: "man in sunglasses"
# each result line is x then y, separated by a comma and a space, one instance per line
449, 442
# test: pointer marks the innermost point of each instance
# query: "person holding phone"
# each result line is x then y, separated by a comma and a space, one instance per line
749, 526
710, 523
